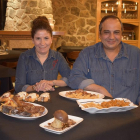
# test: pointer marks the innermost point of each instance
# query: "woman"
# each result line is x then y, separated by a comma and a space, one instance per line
38, 68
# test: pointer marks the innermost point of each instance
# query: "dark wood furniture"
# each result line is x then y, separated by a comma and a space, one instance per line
71, 57
5, 78
70, 53
12, 56
10, 60
9, 64
66, 49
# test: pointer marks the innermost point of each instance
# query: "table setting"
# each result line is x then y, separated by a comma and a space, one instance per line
106, 123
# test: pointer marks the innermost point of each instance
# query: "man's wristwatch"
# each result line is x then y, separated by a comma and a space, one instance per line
53, 83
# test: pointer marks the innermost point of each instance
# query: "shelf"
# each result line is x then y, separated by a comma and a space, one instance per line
109, 10
130, 19
129, 10
127, 41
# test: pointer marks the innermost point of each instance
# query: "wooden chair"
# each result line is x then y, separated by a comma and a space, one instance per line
10, 64
12, 90
0, 84
71, 57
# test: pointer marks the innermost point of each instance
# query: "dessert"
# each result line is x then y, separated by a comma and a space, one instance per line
22, 95
6, 96
17, 107
81, 94
31, 97
61, 121
44, 97
61, 118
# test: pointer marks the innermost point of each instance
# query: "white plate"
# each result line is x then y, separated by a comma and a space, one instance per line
63, 94
76, 119
29, 118
93, 110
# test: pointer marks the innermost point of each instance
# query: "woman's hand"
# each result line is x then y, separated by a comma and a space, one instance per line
44, 85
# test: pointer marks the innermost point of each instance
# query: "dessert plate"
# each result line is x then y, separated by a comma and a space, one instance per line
93, 110
28, 118
63, 94
76, 119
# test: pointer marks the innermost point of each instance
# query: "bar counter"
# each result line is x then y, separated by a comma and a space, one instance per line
103, 126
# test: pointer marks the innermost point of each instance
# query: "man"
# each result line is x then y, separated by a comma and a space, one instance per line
110, 67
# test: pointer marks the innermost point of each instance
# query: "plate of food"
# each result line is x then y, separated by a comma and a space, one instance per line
23, 110
32, 97
93, 106
80, 94
61, 122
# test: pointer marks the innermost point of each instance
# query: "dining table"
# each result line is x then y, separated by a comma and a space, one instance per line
10, 55
100, 126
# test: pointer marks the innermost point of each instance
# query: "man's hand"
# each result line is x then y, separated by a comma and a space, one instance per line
99, 89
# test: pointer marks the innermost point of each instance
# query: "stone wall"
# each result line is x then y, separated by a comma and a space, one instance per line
78, 19
20, 13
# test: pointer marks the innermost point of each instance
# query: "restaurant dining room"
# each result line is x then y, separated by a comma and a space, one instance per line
69, 69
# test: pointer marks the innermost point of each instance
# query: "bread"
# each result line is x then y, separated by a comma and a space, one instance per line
22, 95
44, 97
31, 97
6, 96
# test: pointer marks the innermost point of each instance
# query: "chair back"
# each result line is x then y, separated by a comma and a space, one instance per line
71, 57
10, 64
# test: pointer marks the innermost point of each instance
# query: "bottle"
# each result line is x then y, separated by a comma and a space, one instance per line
133, 36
